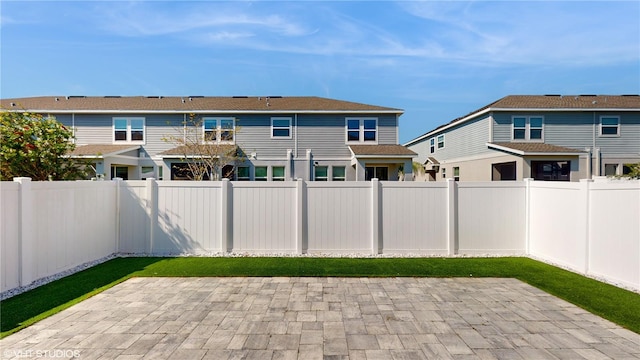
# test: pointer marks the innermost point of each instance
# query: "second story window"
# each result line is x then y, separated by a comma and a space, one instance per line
432, 145
218, 130
527, 128
362, 130
281, 127
609, 126
440, 141
130, 130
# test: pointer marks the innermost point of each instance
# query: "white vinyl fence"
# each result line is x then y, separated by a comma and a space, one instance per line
590, 227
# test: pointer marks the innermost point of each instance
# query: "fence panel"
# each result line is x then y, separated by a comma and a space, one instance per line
491, 217
134, 231
558, 223
188, 217
414, 217
73, 222
264, 216
339, 217
9, 235
614, 229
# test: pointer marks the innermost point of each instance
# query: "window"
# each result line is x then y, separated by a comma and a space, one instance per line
261, 173
551, 170
432, 145
243, 173
610, 169
363, 130
504, 171
210, 127
147, 172
379, 172
440, 141
339, 173
281, 128
528, 128
320, 173
456, 173
609, 126
218, 130
444, 173
228, 172
278, 173
120, 172
128, 130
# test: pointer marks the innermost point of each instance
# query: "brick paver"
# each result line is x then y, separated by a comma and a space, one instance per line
323, 318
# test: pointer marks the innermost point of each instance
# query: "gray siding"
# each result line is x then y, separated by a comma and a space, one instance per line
629, 140
93, 129
466, 140
254, 135
160, 127
325, 135
578, 130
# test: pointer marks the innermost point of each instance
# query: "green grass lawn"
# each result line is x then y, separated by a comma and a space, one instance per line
610, 302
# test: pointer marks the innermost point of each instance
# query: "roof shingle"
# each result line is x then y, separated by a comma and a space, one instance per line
186, 104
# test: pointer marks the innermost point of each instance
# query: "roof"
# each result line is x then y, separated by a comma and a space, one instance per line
187, 104
546, 103
381, 150
204, 150
432, 160
101, 150
532, 148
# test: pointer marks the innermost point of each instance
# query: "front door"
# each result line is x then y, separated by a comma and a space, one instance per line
379, 172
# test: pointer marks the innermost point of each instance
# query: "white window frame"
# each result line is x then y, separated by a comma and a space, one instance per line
273, 128
438, 142
527, 128
617, 126
432, 145
320, 178
128, 130
266, 176
243, 178
361, 130
338, 178
278, 178
219, 130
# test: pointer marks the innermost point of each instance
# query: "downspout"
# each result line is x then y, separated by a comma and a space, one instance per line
295, 135
593, 151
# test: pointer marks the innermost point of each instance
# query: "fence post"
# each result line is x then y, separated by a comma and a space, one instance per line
26, 236
226, 217
585, 188
376, 246
152, 210
452, 213
301, 216
118, 182
527, 215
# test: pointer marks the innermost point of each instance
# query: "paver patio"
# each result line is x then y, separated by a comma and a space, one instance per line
324, 318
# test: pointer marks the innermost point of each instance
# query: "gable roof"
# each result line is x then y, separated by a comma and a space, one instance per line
188, 104
545, 103
533, 148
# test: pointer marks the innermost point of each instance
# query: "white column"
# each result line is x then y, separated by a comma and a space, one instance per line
527, 215
26, 235
584, 188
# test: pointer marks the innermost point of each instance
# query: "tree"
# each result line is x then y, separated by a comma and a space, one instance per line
634, 171
206, 148
36, 147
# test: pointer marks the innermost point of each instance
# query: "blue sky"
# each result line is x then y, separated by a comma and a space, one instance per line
437, 60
